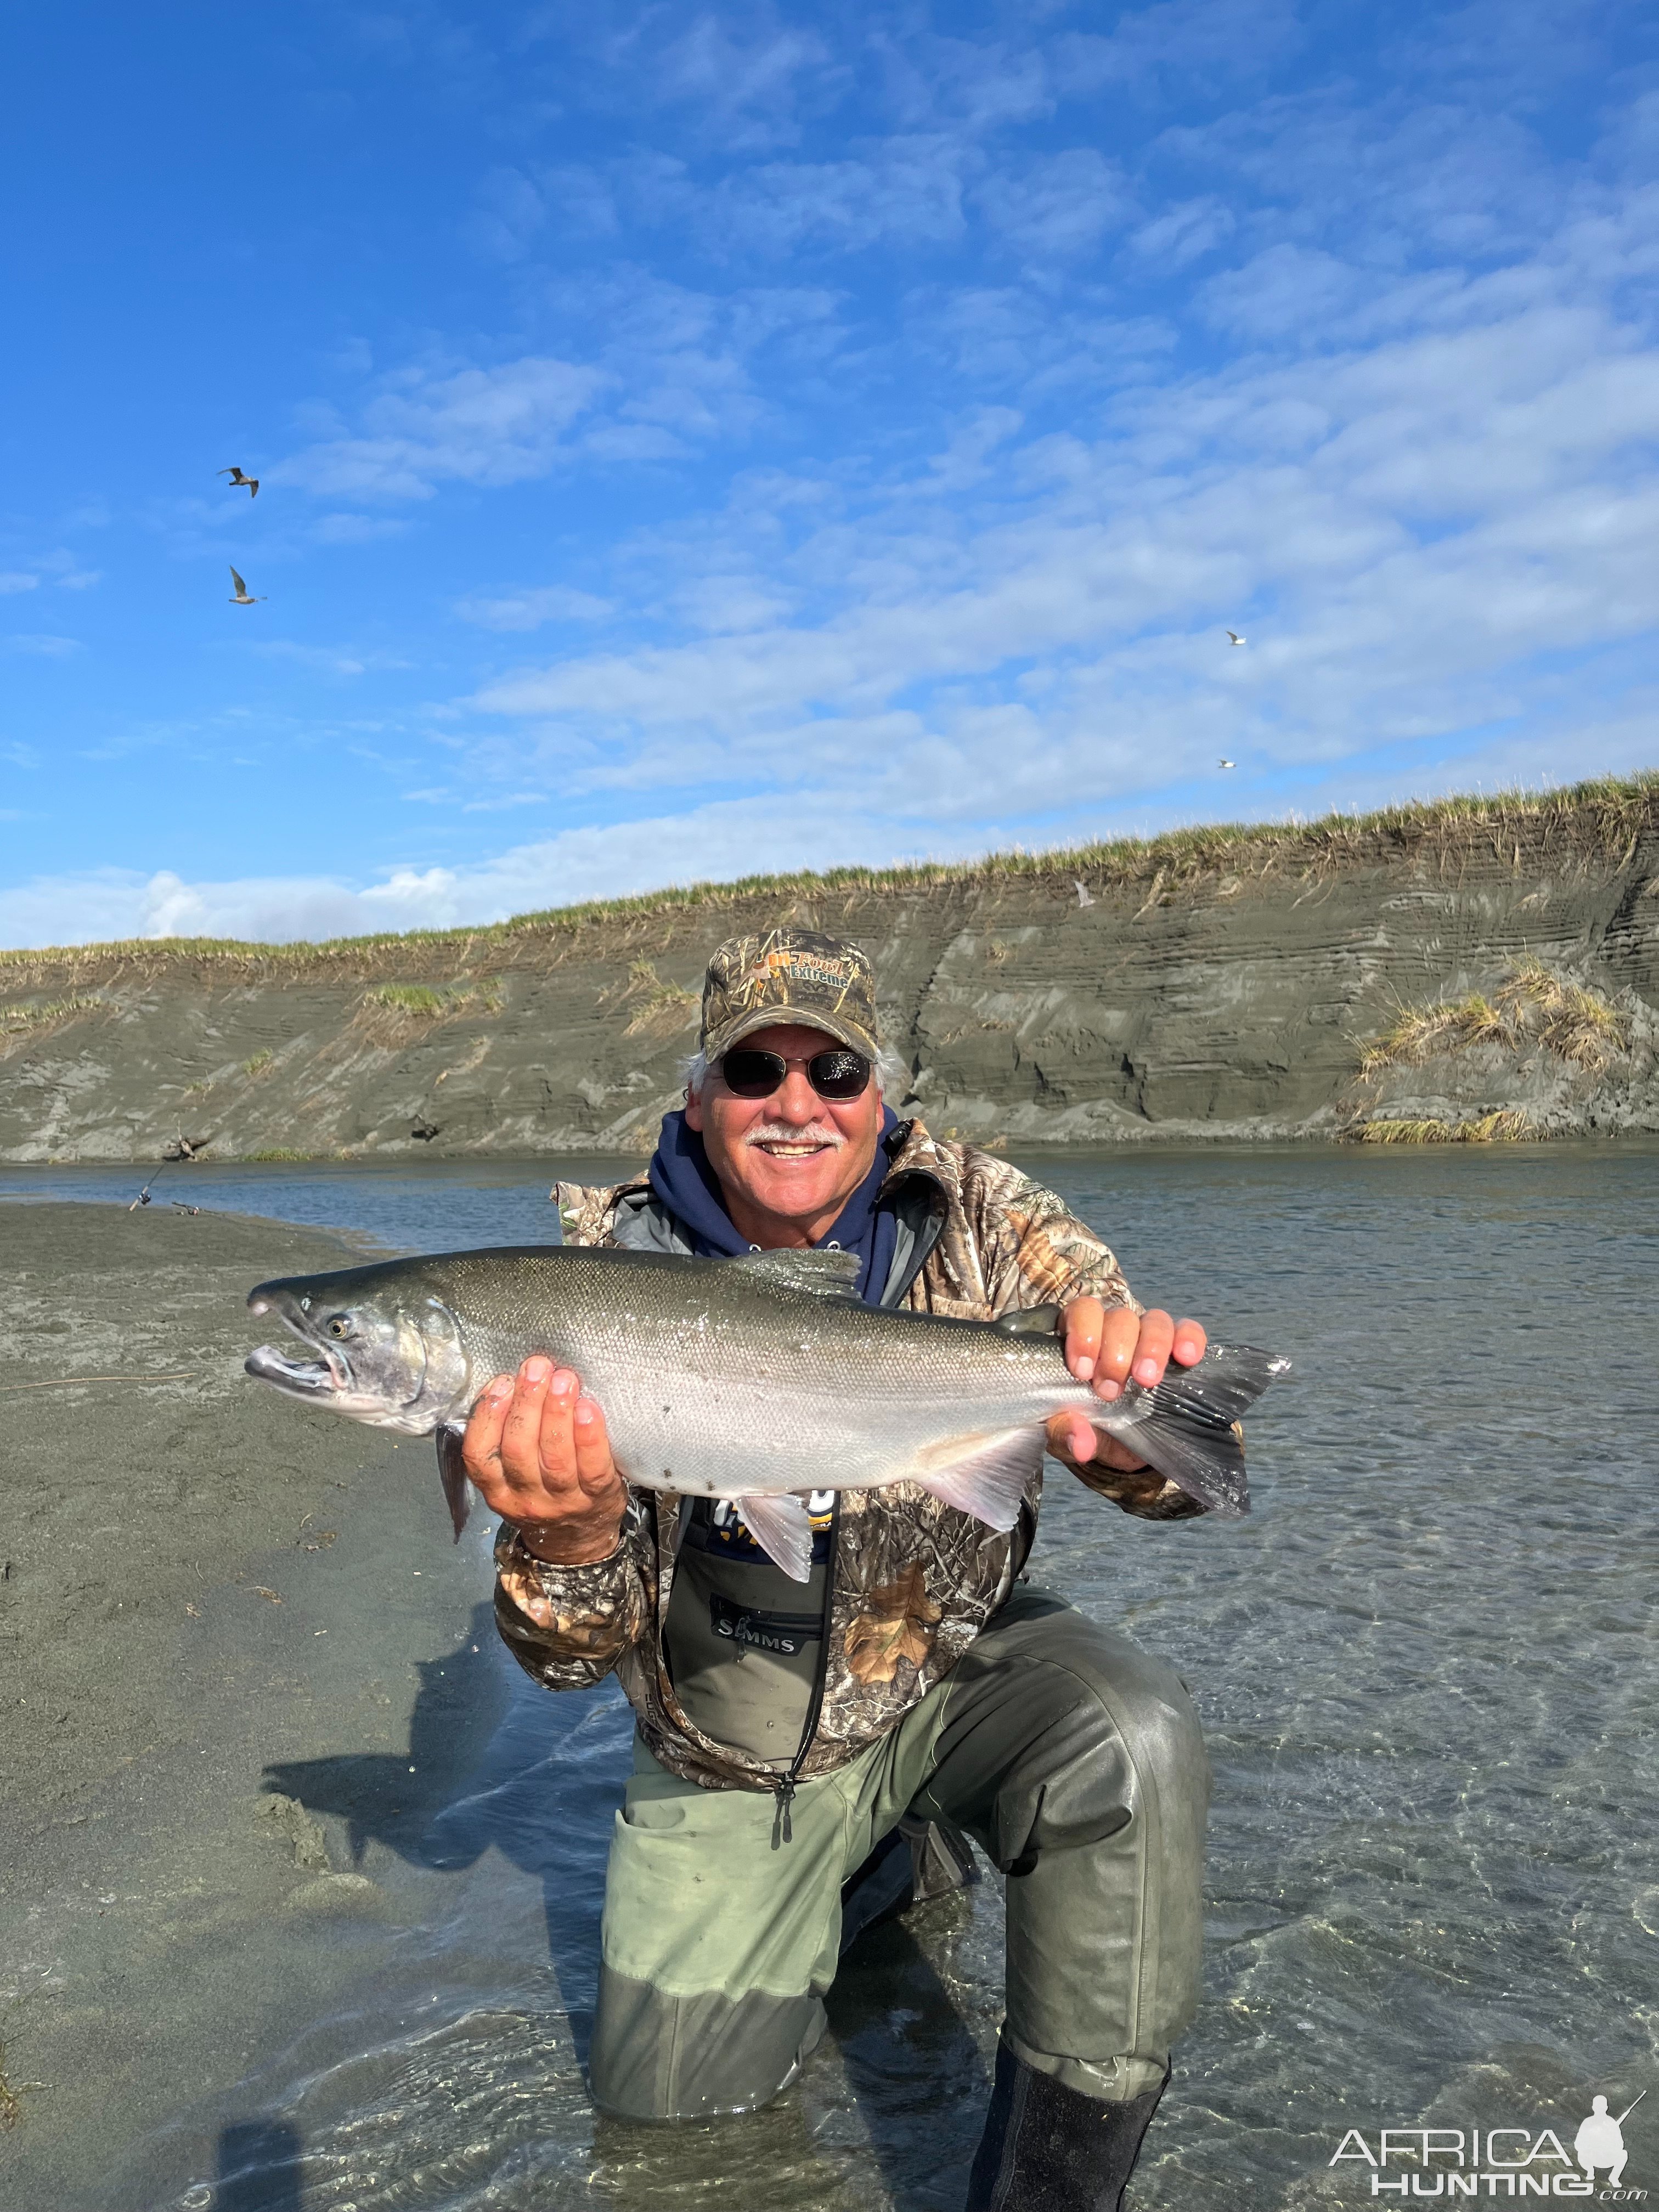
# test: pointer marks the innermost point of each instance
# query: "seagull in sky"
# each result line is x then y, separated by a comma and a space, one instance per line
241, 598
1085, 896
1237, 639
1224, 763
237, 481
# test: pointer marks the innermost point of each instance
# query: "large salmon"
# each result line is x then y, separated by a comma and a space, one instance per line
755, 1379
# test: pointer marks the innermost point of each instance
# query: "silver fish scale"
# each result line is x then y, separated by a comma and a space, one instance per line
719, 1382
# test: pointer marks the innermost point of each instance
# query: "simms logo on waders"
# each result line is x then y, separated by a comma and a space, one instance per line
1455, 2162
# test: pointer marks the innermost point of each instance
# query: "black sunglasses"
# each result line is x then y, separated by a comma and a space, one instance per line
840, 1075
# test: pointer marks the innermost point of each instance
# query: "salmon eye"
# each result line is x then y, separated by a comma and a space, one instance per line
339, 1326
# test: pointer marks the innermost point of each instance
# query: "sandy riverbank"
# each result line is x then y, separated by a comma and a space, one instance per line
186, 1564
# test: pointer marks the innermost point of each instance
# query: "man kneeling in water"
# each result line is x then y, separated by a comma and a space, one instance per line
809, 1760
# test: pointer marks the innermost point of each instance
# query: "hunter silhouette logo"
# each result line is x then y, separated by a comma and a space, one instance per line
1601, 2140
1526, 2161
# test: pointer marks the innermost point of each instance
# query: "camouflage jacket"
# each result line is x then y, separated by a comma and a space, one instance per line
915, 1580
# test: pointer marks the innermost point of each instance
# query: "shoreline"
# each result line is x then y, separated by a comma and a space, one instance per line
181, 1571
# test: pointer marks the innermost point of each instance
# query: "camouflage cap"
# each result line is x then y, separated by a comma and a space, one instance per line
789, 975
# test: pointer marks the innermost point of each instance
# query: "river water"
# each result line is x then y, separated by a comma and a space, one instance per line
1425, 1666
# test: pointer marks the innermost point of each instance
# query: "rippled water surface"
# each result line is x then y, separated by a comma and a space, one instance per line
1425, 1668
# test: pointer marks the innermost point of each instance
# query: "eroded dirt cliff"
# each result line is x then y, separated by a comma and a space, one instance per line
1219, 984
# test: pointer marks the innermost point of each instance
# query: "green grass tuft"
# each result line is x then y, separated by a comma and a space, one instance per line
1507, 1126
279, 1153
1535, 1006
431, 1002
20, 1021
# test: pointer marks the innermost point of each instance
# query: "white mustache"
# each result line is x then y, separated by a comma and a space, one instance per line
781, 1133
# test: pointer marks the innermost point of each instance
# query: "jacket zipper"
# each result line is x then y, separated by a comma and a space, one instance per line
784, 1787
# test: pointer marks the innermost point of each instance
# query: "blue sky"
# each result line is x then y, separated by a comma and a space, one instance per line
701, 440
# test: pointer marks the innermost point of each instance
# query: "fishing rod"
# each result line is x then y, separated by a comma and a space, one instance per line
143, 1198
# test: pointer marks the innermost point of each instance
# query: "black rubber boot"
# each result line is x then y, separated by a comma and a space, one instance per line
1049, 2148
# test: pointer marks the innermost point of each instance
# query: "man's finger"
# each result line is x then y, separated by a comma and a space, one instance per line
1070, 1432
1190, 1343
521, 1436
481, 1446
1120, 1334
555, 1446
595, 1469
1153, 1347
1085, 1318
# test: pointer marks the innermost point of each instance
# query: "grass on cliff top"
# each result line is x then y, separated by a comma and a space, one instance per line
1605, 816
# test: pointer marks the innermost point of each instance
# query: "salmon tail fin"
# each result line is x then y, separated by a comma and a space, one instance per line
451, 1472
1191, 1433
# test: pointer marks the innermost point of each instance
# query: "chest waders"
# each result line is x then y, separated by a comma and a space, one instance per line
784, 1788
1072, 1759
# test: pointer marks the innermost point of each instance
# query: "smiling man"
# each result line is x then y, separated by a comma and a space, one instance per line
808, 1762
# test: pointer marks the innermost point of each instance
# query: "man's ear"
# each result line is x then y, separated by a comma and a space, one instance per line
693, 1110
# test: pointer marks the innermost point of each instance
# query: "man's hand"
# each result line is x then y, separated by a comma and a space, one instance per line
1106, 1346
538, 1453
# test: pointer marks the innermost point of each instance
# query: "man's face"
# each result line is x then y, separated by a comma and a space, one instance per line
794, 1156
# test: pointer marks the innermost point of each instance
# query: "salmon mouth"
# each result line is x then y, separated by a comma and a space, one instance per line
379, 1371
316, 1372
301, 1378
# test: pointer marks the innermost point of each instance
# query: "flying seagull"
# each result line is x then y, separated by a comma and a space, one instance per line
1224, 763
1085, 896
241, 598
1237, 639
237, 480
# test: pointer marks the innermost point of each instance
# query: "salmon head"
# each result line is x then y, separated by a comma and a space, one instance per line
378, 1346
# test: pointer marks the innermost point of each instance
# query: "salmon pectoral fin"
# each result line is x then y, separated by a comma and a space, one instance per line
458, 1489
782, 1526
984, 1475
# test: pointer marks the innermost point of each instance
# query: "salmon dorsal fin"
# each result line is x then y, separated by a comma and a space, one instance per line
825, 1274
782, 1527
982, 1475
1032, 1321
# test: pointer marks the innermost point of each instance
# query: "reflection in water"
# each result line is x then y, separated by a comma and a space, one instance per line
541, 1794
258, 2167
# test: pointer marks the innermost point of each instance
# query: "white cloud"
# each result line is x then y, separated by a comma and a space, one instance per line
482, 426
17, 580
1407, 530
702, 844
529, 609
1059, 206
42, 645
719, 841
1183, 232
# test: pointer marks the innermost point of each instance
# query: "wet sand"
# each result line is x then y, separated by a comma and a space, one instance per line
180, 1561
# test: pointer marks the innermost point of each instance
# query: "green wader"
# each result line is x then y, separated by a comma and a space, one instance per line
1072, 1757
